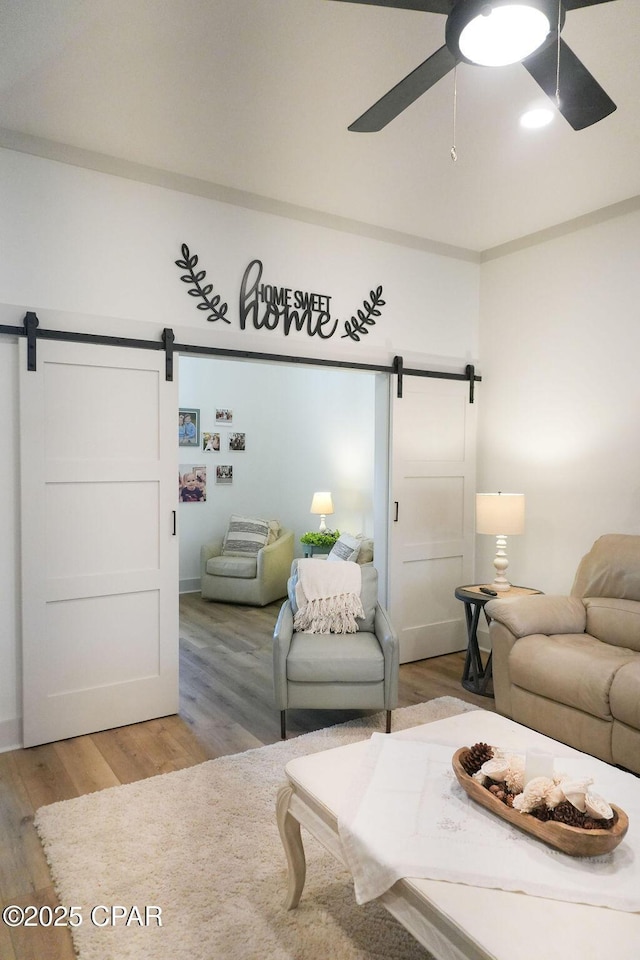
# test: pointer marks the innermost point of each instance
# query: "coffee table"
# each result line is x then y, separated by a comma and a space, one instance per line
454, 921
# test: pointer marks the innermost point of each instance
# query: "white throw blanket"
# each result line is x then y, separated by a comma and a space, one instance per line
406, 815
328, 596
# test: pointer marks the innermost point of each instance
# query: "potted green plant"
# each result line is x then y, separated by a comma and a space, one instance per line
326, 539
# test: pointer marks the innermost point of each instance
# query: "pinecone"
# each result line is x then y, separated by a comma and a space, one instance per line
543, 814
590, 824
565, 812
478, 754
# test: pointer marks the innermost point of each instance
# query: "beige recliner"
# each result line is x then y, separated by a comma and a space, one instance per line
569, 667
336, 671
253, 580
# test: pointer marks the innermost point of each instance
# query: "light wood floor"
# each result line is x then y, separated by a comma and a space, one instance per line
225, 707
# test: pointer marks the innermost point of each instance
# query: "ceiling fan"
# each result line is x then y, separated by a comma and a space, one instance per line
475, 32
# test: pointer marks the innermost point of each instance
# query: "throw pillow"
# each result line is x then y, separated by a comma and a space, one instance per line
245, 536
366, 549
346, 547
274, 531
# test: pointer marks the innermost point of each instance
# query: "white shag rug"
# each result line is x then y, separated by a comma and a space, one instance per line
203, 845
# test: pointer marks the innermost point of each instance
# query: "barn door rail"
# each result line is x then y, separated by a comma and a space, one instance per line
469, 374
32, 330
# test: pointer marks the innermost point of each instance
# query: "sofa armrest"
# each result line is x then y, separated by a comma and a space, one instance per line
523, 616
282, 636
388, 640
502, 643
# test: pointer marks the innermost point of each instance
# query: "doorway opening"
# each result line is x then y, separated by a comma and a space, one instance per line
281, 432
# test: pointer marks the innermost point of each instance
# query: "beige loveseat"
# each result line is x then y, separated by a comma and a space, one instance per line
569, 667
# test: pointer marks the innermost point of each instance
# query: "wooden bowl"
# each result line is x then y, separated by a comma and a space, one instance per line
575, 841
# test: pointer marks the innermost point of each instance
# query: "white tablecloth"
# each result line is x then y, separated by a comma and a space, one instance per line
406, 815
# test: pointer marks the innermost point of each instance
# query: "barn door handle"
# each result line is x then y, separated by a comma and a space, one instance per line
174, 523
395, 519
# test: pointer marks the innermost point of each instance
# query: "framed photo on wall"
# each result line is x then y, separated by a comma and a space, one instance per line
237, 441
210, 442
188, 427
192, 483
224, 474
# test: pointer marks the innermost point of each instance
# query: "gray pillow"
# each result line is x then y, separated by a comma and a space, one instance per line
346, 547
245, 537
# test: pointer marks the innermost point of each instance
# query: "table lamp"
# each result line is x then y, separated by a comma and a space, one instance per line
322, 504
500, 514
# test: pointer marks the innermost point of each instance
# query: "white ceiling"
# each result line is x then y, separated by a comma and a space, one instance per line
256, 95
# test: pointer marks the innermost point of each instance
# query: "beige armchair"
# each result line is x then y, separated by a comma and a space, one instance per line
341, 671
253, 580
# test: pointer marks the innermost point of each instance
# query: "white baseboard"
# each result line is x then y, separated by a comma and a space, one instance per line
189, 586
10, 734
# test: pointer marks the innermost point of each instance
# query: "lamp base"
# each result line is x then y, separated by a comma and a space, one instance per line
323, 523
500, 583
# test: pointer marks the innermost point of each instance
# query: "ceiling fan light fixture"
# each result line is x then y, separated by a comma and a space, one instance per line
536, 118
494, 33
549, 61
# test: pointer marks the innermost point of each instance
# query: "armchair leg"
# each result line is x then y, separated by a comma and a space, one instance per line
283, 724
388, 721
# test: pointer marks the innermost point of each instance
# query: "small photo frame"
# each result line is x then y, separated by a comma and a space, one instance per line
188, 427
192, 483
224, 474
223, 415
237, 441
210, 442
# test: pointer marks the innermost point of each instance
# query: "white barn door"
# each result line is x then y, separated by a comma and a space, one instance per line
431, 541
99, 546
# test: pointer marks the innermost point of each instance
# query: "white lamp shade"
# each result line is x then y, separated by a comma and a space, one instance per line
500, 514
321, 503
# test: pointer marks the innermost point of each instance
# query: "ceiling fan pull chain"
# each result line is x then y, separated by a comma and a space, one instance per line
454, 152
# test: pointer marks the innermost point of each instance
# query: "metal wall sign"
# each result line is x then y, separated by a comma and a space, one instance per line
268, 306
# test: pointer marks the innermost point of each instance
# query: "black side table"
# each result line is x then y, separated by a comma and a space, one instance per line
476, 677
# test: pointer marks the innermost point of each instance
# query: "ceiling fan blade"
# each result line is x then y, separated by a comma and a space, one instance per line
404, 93
583, 102
576, 4
426, 6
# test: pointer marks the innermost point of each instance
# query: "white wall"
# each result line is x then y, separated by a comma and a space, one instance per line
102, 248
92, 252
306, 430
10, 650
560, 402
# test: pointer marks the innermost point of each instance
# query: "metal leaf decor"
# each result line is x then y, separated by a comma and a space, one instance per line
308, 312
357, 327
217, 308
